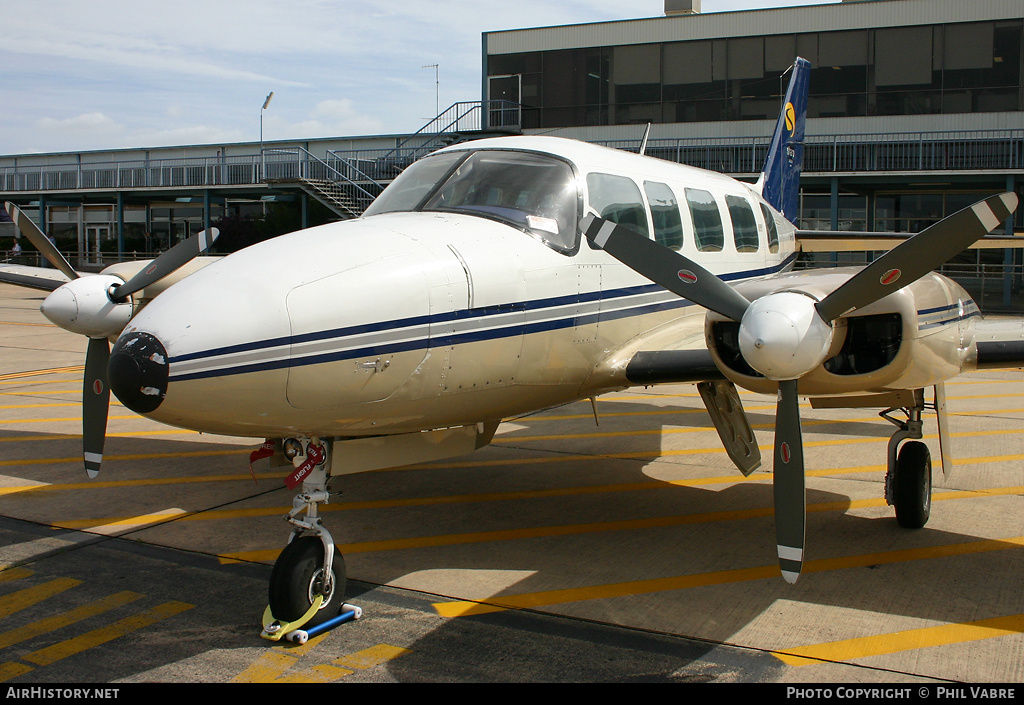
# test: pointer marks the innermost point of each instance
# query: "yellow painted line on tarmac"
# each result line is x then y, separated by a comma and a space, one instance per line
9, 604
668, 453
906, 640
113, 402
594, 527
67, 418
219, 514
110, 458
13, 573
276, 665
36, 373
156, 433
119, 526
34, 325
76, 645
11, 670
638, 587
39, 392
105, 484
59, 621
672, 431
4, 379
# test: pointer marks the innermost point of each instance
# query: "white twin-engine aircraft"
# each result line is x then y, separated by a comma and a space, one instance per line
502, 276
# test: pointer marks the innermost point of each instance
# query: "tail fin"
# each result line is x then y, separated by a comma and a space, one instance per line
780, 180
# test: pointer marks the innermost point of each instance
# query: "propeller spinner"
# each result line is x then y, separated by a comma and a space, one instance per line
99, 307
787, 334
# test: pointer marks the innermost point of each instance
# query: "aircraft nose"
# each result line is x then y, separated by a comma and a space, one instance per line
137, 372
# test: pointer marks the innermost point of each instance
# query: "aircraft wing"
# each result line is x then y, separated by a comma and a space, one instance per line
49, 279
673, 353
1000, 343
45, 279
840, 241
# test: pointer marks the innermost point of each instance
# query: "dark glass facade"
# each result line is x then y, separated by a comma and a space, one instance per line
948, 68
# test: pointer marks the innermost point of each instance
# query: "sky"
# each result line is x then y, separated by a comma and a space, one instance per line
113, 74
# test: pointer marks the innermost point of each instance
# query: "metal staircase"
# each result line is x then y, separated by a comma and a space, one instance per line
348, 183
346, 194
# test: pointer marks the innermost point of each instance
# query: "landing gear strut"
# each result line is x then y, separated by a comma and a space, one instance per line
307, 585
908, 481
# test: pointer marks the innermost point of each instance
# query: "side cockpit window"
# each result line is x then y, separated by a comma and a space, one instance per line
532, 191
412, 186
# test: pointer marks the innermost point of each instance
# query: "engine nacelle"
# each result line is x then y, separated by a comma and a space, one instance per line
913, 338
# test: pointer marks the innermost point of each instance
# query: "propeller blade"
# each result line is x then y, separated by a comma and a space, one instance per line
673, 271
790, 501
41, 242
918, 255
95, 403
166, 263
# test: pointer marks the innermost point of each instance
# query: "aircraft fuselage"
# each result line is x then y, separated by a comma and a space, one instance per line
407, 320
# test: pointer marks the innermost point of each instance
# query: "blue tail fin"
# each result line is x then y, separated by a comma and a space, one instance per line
780, 180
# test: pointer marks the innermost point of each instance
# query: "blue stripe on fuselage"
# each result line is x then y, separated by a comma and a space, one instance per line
513, 328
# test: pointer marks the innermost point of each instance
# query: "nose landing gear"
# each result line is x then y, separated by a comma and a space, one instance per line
307, 584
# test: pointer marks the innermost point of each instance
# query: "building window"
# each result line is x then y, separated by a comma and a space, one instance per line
954, 68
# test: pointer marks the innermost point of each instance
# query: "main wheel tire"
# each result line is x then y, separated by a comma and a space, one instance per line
912, 492
297, 579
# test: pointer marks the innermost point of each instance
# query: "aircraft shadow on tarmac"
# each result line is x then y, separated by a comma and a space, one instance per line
968, 588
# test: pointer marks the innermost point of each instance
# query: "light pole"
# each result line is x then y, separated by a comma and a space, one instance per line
263, 157
437, 88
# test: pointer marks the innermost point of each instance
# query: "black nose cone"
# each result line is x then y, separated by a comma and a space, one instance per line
137, 372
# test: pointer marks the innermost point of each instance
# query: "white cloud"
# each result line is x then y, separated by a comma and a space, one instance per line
87, 123
328, 118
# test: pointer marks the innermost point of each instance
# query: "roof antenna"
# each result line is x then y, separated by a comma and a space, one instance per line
643, 142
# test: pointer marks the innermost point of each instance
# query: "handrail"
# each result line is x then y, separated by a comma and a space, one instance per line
913, 151
311, 167
348, 164
461, 112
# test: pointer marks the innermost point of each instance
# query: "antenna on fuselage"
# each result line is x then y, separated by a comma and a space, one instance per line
643, 142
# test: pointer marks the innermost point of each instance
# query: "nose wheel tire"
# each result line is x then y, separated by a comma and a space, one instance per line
298, 578
912, 491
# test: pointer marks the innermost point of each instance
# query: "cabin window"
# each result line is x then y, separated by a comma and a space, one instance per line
708, 233
744, 225
773, 229
617, 198
668, 224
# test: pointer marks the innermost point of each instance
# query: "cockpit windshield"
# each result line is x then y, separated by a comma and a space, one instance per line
534, 192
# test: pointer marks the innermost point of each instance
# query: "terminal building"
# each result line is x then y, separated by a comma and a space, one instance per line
916, 110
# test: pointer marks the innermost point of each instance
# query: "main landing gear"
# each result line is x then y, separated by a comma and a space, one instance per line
908, 480
307, 585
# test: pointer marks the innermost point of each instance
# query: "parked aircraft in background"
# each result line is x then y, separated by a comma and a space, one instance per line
506, 275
